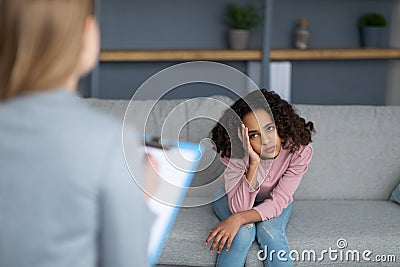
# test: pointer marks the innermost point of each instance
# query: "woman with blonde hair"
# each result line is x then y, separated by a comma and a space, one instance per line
66, 195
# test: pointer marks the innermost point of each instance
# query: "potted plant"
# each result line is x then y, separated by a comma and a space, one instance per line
371, 26
241, 20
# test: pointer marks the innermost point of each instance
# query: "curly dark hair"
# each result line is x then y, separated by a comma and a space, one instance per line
293, 130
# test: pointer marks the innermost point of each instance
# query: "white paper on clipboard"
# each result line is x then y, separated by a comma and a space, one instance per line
176, 166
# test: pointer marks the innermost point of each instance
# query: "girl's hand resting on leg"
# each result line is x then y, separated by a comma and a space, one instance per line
224, 232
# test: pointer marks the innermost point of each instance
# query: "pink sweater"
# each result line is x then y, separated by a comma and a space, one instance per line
277, 181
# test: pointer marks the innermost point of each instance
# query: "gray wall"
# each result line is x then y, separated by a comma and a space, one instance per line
191, 24
393, 92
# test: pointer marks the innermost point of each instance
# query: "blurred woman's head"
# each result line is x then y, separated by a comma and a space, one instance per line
45, 44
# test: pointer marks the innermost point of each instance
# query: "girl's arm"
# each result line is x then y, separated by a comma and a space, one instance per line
251, 174
240, 191
241, 175
282, 195
248, 216
226, 230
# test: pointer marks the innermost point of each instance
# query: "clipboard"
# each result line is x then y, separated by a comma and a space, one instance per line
177, 162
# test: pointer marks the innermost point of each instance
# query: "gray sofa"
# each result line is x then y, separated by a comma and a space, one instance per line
342, 202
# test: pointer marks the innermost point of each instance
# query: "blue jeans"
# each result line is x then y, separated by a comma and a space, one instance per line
270, 234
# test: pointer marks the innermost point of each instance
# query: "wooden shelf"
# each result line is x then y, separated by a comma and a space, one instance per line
335, 54
244, 55
179, 55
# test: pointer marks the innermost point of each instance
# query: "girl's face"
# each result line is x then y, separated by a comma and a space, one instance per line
263, 134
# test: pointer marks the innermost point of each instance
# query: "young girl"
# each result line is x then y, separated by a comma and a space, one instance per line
66, 194
266, 148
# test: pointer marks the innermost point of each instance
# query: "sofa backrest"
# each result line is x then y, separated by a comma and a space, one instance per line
356, 148
356, 152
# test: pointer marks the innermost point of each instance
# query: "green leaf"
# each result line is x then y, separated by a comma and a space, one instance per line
372, 19
242, 17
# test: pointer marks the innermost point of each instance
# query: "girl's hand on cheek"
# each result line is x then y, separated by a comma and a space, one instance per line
243, 134
223, 233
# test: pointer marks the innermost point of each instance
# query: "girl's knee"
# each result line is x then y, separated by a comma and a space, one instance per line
269, 232
246, 234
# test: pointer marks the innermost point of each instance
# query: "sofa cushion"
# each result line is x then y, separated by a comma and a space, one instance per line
395, 197
314, 225
203, 114
356, 155
183, 119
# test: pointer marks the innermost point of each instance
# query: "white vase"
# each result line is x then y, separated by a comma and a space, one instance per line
239, 39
